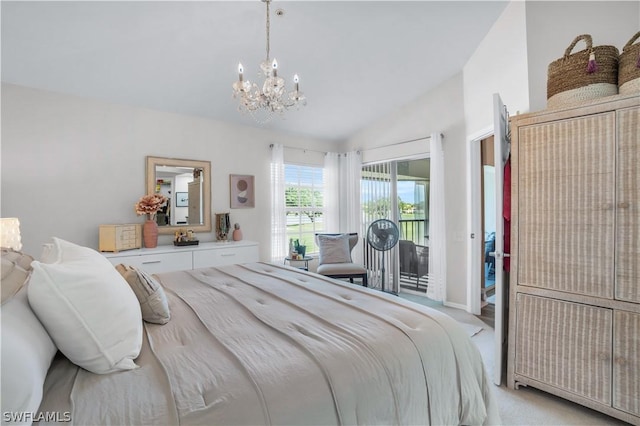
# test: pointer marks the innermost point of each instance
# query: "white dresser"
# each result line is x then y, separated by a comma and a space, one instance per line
172, 258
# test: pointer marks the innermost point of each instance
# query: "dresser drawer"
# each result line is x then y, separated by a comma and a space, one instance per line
224, 256
157, 263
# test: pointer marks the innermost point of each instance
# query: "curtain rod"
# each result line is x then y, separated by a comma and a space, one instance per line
301, 149
407, 141
376, 147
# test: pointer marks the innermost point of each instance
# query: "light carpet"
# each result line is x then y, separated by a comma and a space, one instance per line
471, 329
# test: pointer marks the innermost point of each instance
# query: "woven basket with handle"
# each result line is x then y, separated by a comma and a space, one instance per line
588, 74
629, 67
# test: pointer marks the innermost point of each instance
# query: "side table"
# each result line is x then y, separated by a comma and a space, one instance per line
304, 259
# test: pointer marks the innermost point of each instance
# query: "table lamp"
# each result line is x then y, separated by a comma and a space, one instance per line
10, 233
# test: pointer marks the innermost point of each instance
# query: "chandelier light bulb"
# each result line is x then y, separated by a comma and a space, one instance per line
240, 71
296, 81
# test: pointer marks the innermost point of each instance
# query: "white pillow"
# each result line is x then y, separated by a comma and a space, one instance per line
27, 351
334, 249
88, 309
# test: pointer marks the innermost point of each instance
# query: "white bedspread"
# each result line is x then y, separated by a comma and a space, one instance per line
266, 344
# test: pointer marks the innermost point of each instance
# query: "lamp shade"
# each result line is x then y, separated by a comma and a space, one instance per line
10, 233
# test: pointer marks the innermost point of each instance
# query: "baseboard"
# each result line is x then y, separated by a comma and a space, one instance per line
455, 305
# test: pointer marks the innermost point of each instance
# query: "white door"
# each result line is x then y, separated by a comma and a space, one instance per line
501, 152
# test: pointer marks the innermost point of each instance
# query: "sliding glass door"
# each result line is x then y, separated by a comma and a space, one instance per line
397, 191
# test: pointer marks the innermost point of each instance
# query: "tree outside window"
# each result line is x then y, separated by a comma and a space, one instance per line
304, 204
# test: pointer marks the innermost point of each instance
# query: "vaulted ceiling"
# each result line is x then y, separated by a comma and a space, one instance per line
357, 60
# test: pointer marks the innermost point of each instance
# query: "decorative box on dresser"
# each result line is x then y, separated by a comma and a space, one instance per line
172, 258
574, 319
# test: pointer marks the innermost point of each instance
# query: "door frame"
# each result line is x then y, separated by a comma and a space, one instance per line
475, 241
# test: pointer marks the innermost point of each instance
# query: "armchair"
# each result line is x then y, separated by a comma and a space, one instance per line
335, 257
414, 260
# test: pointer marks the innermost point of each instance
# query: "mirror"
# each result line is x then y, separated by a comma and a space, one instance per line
187, 184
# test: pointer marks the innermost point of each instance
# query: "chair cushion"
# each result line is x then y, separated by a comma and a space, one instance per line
334, 249
341, 269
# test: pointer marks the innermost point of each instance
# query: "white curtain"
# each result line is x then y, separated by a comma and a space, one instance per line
350, 211
279, 245
331, 192
437, 223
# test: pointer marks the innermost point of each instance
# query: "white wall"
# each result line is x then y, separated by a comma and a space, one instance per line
552, 26
70, 164
440, 110
499, 65
511, 60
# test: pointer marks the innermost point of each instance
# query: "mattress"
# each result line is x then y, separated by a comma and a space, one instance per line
261, 343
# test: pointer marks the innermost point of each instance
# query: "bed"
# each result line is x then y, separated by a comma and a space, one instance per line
262, 343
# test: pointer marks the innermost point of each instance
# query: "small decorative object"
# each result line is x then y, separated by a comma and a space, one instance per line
185, 238
149, 205
292, 249
242, 190
114, 238
222, 226
237, 233
300, 249
588, 74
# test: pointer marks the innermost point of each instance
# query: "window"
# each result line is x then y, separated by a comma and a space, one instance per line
304, 204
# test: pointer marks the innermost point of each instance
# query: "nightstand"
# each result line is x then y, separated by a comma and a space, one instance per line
305, 260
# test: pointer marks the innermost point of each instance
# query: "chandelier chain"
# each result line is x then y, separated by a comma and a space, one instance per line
268, 29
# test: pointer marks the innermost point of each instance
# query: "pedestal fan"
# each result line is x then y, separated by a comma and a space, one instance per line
383, 235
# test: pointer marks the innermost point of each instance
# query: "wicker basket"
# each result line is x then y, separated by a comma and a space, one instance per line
587, 74
629, 67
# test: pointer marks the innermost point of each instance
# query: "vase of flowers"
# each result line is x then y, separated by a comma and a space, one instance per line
149, 205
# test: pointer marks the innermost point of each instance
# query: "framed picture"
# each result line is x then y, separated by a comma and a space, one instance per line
182, 199
242, 190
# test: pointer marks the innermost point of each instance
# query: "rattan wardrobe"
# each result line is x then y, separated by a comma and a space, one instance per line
574, 318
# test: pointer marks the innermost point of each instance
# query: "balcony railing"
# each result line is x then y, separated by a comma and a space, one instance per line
414, 230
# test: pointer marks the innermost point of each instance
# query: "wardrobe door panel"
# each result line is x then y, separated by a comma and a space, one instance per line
566, 205
628, 206
558, 342
626, 362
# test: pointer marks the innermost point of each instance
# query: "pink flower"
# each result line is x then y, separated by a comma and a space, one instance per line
150, 204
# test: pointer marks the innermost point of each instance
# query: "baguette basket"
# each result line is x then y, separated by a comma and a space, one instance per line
629, 67
588, 74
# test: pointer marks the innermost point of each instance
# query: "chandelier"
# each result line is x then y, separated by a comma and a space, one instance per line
263, 103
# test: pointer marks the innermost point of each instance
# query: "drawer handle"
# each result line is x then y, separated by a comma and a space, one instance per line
151, 261
227, 254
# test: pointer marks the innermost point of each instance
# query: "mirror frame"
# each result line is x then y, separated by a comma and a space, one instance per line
152, 162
